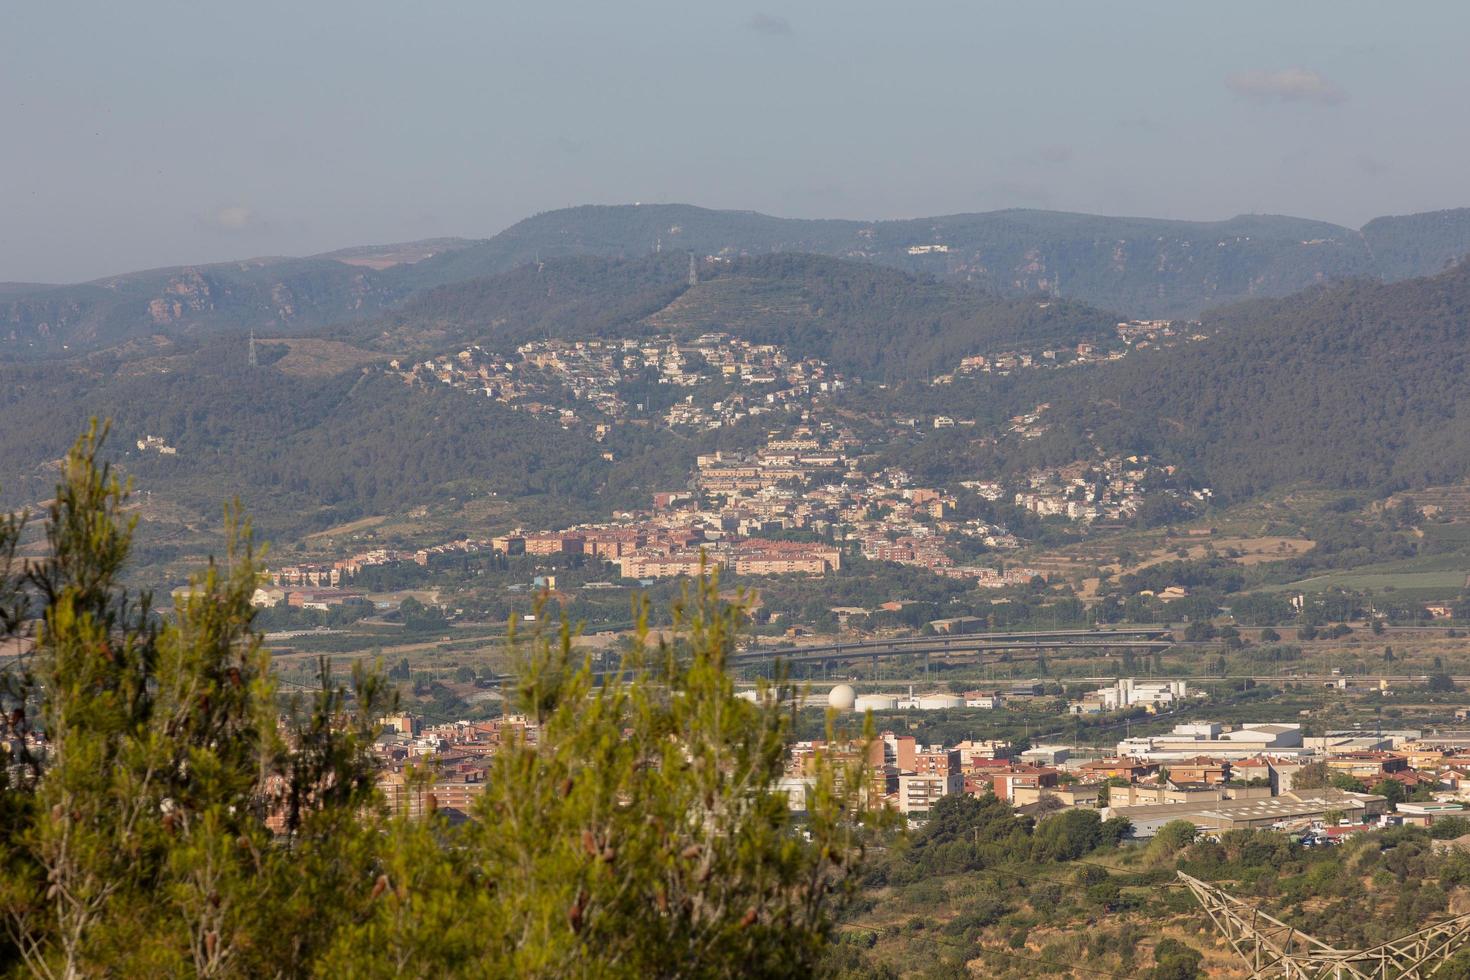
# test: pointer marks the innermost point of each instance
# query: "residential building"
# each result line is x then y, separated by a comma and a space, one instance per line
918, 792
1005, 782
1074, 795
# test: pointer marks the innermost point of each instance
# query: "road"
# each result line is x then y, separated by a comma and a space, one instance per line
961, 646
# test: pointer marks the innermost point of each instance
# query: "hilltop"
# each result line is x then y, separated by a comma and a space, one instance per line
1147, 266
863, 318
262, 293
1142, 266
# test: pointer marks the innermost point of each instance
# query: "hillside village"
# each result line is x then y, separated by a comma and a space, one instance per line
587, 382
803, 481
1133, 335
803, 499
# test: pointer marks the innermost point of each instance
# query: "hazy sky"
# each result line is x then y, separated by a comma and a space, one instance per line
155, 133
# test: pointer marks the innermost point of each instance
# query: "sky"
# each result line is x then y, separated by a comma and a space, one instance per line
154, 133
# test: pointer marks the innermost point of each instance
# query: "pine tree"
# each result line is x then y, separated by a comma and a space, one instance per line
149, 758
641, 833
164, 811
153, 737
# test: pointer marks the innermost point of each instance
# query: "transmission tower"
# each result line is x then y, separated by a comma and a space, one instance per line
693, 271
1271, 948
251, 359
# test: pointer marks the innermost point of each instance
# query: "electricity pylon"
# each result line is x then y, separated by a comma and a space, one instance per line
1271, 948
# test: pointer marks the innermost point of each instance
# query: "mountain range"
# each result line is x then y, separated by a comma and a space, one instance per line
1135, 266
1356, 384
319, 433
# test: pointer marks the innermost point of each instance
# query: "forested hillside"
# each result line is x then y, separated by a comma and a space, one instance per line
1418, 244
874, 322
325, 434
1361, 385
1138, 266
297, 293
577, 296
305, 451
864, 319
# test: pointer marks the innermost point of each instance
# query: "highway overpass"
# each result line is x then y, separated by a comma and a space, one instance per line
959, 646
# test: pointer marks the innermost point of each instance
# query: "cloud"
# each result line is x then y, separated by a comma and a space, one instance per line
236, 217
769, 25
1372, 166
1055, 153
1286, 85
1144, 124
566, 146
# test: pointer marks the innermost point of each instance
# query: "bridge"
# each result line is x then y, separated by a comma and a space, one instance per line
959, 646
945, 647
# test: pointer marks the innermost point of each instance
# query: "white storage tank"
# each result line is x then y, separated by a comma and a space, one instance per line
937, 702
841, 697
875, 702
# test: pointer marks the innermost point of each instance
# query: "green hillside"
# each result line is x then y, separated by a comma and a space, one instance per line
864, 319
321, 434
875, 322
576, 296
306, 451
1418, 244
1362, 385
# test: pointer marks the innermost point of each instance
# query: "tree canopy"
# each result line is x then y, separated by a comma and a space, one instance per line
167, 811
